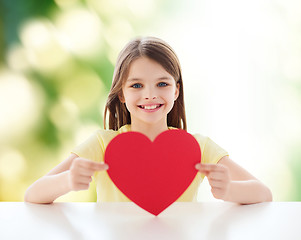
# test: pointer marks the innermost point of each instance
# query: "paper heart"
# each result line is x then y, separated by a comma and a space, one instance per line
153, 174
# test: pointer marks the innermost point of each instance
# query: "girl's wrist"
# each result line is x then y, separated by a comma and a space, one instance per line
247, 192
66, 187
227, 197
62, 182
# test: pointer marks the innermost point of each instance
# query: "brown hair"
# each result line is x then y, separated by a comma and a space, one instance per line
159, 51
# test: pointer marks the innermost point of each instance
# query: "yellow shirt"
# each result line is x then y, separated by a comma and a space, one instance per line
94, 147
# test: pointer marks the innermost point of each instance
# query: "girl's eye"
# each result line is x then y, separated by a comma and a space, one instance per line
162, 84
136, 85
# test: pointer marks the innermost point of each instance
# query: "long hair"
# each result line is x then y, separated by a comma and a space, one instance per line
159, 51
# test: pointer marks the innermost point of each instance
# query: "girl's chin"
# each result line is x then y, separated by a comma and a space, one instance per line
149, 122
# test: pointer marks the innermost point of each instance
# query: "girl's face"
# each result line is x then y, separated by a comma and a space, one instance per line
149, 92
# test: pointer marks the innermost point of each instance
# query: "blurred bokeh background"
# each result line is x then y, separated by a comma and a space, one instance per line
241, 65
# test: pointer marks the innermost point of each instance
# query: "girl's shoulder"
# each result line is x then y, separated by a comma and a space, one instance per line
211, 151
200, 138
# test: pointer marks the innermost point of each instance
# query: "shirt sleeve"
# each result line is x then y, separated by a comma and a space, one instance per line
211, 152
91, 149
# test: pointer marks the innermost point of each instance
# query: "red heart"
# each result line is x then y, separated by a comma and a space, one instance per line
153, 174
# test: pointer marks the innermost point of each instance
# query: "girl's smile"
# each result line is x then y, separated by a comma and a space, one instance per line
150, 107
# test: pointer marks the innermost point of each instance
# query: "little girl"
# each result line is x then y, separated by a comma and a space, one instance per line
146, 96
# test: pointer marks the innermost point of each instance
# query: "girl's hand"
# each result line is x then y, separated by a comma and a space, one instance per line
81, 172
218, 177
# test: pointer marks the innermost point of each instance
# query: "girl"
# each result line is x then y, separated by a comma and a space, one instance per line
146, 96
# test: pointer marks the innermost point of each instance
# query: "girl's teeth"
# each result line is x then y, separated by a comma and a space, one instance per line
151, 107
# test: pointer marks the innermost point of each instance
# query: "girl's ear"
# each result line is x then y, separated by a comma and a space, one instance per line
121, 98
177, 91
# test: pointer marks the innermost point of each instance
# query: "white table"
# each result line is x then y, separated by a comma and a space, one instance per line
215, 220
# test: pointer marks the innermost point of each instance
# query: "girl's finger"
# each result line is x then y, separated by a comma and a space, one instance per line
216, 184
203, 169
85, 172
210, 167
95, 166
102, 167
84, 179
82, 186
204, 172
217, 192
207, 167
98, 167
217, 176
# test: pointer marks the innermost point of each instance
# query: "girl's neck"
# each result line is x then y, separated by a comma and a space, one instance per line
150, 130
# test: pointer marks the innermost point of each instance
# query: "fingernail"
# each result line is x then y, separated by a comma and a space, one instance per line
197, 166
106, 166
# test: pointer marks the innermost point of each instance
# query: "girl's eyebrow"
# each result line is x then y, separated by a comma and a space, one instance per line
165, 78
133, 79
141, 79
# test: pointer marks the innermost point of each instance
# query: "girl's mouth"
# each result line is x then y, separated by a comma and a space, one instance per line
150, 107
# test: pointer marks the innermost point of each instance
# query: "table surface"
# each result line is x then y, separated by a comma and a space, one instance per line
211, 220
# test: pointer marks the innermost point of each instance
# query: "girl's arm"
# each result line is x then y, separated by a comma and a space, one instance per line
72, 174
231, 182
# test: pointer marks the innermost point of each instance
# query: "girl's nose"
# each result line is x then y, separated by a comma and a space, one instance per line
154, 97
150, 94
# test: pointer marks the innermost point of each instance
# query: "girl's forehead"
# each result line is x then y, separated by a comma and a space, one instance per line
144, 66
